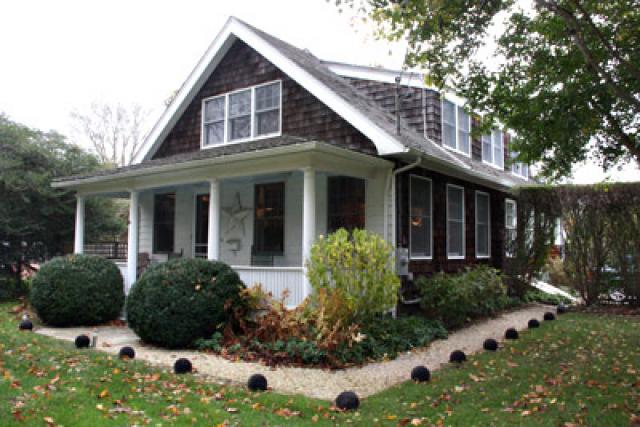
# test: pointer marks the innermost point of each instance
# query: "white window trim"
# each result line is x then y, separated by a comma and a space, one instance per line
488, 255
422, 257
457, 127
226, 140
493, 163
464, 237
515, 219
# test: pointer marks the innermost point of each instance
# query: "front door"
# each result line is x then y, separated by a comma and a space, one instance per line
202, 226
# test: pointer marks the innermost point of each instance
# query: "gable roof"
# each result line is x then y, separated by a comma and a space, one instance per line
361, 111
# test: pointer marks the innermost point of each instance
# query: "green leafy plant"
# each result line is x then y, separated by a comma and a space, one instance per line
454, 299
536, 295
175, 303
77, 290
356, 268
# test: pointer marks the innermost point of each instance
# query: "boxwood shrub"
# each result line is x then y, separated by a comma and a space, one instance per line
455, 299
77, 290
175, 303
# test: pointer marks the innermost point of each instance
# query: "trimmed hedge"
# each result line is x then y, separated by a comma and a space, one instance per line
78, 290
178, 302
456, 298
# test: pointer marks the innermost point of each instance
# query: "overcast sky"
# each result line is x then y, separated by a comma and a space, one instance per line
59, 56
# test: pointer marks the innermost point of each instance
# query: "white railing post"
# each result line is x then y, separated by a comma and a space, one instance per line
213, 243
78, 244
132, 249
308, 221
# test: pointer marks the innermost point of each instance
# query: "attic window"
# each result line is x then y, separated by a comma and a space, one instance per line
242, 115
493, 149
456, 126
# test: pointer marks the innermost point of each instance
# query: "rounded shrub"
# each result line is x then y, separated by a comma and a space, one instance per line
127, 353
347, 401
533, 323
78, 290
82, 341
178, 302
511, 334
420, 374
490, 344
457, 356
182, 366
257, 382
549, 316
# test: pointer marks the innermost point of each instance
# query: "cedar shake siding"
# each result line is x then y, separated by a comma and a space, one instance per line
439, 261
303, 115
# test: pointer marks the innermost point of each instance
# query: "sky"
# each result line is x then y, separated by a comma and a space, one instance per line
58, 57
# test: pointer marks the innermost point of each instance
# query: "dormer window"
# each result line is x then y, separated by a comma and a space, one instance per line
242, 115
519, 168
493, 149
456, 127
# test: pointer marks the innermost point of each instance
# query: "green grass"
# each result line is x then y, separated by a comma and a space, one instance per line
579, 369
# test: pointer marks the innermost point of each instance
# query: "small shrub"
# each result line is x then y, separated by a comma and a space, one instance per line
420, 374
456, 298
347, 401
457, 356
78, 290
536, 295
177, 302
257, 382
356, 268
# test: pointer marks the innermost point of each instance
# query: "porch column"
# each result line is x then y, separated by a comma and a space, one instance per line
78, 245
132, 248
308, 221
213, 242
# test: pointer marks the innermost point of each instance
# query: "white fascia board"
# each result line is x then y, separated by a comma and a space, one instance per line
385, 143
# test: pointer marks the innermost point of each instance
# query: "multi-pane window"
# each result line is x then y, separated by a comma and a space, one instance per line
420, 217
346, 204
456, 127
268, 231
519, 168
164, 216
510, 225
493, 149
483, 227
455, 221
242, 115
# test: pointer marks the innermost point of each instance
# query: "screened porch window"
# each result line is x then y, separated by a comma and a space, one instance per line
346, 204
164, 208
483, 220
420, 217
268, 232
455, 221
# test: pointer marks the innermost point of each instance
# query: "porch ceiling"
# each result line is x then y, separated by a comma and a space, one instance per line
207, 164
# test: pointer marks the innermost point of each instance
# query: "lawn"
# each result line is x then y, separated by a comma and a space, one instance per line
581, 369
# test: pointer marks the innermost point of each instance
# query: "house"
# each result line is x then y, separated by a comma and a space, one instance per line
265, 147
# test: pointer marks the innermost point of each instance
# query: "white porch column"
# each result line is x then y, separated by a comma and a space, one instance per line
78, 245
308, 221
213, 242
132, 249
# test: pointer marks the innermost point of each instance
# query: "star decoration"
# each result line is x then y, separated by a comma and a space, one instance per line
236, 216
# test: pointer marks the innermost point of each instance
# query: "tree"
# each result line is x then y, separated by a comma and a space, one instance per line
563, 74
36, 220
114, 131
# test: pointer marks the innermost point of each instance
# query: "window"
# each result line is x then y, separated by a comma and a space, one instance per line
268, 231
420, 240
455, 221
510, 225
483, 225
346, 204
164, 209
519, 168
456, 126
241, 115
493, 149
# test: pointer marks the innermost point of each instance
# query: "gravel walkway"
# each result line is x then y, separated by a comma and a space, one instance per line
317, 383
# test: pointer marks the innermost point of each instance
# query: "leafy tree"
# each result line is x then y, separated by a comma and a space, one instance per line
36, 220
564, 74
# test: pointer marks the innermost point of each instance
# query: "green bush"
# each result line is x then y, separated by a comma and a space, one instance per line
536, 295
177, 302
77, 290
454, 299
357, 269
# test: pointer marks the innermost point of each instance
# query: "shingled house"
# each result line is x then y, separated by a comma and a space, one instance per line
265, 147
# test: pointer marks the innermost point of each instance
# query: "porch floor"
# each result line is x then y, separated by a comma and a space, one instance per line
316, 383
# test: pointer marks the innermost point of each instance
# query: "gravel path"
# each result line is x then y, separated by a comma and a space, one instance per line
317, 383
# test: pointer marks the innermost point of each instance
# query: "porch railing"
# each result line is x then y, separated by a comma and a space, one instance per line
110, 250
275, 280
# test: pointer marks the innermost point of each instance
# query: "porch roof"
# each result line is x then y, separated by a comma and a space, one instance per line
262, 156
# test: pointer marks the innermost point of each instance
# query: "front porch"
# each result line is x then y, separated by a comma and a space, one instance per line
258, 215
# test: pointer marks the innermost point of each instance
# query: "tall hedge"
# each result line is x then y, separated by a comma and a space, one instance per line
78, 290
177, 302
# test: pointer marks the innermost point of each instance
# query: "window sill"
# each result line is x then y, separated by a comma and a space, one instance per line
493, 165
455, 150
420, 258
483, 256
240, 141
454, 257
